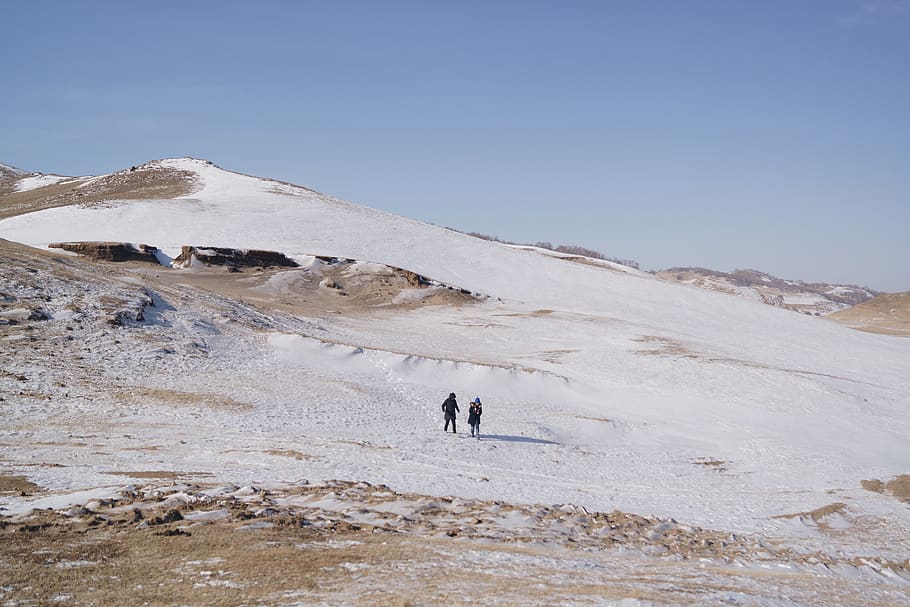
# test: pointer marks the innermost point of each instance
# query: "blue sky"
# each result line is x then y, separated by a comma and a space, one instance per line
727, 134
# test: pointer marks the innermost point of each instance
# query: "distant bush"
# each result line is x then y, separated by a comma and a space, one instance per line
567, 249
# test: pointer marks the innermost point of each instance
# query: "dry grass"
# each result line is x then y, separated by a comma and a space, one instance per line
299, 456
532, 314
366, 295
819, 514
148, 183
591, 261
715, 464
899, 487
253, 551
220, 565
663, 346
886, 314
214, 565
224, 564
180, 398
16, 484
358, 443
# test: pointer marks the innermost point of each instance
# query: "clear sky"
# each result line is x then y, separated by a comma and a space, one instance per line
761, 134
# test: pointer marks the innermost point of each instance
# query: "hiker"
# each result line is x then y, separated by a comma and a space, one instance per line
450, 407
474, 413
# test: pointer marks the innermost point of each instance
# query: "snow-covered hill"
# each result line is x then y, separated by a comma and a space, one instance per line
23, 181
604, 388
816, 299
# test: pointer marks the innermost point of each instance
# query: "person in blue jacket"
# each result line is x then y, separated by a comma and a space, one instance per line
474, 413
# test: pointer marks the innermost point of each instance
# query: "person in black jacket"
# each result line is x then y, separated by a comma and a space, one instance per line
450, 407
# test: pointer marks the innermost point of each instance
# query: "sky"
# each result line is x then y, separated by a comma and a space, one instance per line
770, 135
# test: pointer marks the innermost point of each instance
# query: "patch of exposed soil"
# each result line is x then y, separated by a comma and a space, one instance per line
17, 484
533, 314
710, 462
899, 487
819, 514
289, 453
662, 346
180, 398
887, 314
336, 289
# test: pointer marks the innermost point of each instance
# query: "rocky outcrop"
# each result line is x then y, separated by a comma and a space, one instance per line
414, 279
110, 251
235, 259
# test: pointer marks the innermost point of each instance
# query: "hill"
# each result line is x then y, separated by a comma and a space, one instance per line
631, 424
815, 299
888, 314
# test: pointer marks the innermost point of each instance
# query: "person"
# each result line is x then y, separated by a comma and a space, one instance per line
450, 406
474, 413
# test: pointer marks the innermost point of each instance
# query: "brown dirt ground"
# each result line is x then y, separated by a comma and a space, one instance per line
219, 565
899, 487
140, 553
819, 514
368, 295
887, 314
16, 484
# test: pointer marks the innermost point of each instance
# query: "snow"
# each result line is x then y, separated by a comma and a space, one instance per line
803, 300
602, 388
38, 181
60, 501
414, 295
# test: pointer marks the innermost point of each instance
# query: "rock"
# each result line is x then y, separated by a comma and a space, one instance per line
234, 259
110, 251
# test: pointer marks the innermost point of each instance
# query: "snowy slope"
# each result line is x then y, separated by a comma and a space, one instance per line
24, 181
33, 182
604, 388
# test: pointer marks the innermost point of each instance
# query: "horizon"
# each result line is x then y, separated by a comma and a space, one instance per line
729, 136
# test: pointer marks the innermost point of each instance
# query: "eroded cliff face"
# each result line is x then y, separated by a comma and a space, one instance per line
232, 258
110, 251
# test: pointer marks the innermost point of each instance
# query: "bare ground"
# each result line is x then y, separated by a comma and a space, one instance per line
886, 314
180, 545
899, 487
304, 293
